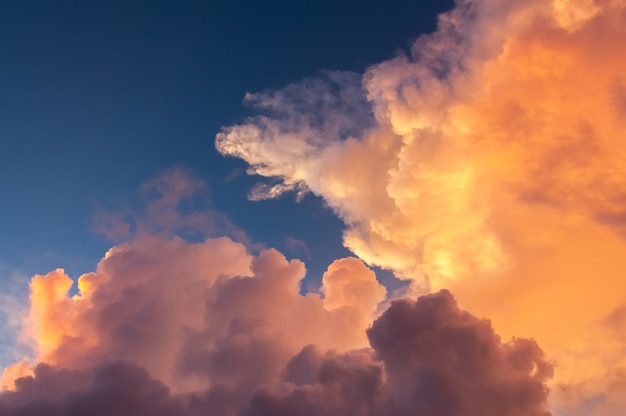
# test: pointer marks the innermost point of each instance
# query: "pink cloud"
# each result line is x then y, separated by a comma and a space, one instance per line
167, 327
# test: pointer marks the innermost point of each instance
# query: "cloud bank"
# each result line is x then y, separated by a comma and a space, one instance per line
494, 168
168, 327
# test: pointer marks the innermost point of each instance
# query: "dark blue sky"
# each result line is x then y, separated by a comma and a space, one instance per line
98, 96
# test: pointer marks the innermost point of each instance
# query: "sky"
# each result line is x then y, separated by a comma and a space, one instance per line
100, 96
289, 208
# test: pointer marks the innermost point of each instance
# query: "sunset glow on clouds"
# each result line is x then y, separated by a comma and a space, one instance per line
486, 168
495, 169
168, 327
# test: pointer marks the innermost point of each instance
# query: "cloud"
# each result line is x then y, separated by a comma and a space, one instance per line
442, 360
494, 168
348, 283
173, 202
311, 117
194, 314
499, 100
14, 372
428, 358
168, 327
119, 388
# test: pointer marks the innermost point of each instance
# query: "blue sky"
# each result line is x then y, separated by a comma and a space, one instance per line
97, 97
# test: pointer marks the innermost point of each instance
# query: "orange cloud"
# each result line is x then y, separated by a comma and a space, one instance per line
13, 372
494, 168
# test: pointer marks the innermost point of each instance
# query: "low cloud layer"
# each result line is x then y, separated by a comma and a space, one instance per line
168, 327
494, 168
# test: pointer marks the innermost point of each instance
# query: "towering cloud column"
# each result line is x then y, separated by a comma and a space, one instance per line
490, 161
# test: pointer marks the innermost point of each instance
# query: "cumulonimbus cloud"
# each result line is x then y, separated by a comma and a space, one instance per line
494, 168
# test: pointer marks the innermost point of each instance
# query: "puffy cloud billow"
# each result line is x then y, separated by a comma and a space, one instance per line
167, 327
494, 168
